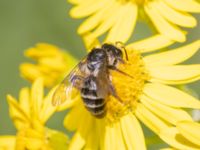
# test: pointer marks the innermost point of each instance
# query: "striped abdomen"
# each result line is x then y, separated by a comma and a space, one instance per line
94, 103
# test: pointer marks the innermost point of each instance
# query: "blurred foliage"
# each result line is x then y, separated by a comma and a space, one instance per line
24, 23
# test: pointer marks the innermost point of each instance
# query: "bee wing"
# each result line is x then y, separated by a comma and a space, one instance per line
69, 86
62, 93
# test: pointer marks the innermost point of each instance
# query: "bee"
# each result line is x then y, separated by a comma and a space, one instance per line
91, 77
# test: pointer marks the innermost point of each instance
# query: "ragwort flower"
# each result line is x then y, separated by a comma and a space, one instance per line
117, 18
51, 62
150, 96
29, 115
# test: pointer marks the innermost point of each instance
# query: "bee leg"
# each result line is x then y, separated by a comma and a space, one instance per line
114, 93
116, 69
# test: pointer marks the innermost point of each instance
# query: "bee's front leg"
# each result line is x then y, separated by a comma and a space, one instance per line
113, 92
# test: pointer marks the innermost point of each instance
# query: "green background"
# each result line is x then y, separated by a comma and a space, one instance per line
23, 23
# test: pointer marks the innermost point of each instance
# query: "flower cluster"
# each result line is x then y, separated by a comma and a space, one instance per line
51, 62
149, 88
29, 116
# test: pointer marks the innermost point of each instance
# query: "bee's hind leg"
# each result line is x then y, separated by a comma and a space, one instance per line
113, 92
116, 69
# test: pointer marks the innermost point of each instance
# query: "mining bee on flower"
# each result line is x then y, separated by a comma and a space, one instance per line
92, 78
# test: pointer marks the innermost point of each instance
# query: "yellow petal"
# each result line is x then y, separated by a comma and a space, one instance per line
77, 142
164, 111
90, 41
7, 142
176, 82
37, 93
176, 17
149, 119
41, 50
167, 58
190, 130
47, 108
110, 142
76, 1
114, 137
179, 74
69, 59
79, 139
163, 26
108, 20
148, 44
100, 129
18, 116
33, 133
87, 8
92, 144
172, 137
34, 143
124, 26
132, 132
24, 100
186, 5
121, 145
30, 71
54, 63
72, 120
69, 103
57, 140
170, 96
94, 20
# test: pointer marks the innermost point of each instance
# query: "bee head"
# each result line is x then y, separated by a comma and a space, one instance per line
114, 54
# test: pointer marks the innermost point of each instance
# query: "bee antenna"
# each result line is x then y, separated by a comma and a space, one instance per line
125, 53
122, 46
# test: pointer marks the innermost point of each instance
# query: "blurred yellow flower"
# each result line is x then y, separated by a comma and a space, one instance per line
117, 18
29, 115
149, 97
50, 64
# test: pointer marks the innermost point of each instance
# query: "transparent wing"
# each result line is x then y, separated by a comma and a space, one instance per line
69, 87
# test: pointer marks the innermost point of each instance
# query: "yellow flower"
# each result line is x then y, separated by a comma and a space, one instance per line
51, 62
117, 18
150, 96
29, 115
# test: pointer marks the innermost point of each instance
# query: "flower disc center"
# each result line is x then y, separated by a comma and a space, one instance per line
128, 88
